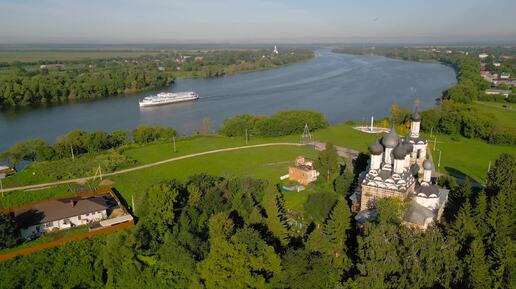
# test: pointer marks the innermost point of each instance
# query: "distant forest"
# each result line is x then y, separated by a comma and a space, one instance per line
26, 83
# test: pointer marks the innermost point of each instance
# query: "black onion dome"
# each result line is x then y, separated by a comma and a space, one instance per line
427, 164
408, 145
391, 139
416, 116
376, 148
399, 152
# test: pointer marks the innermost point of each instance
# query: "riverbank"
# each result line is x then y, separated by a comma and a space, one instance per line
101, 78
340, 86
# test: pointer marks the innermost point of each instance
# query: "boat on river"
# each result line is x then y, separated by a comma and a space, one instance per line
163, 98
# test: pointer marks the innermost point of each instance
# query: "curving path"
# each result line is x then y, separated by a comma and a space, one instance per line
344, 152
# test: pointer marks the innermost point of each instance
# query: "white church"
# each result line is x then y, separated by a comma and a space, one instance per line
399, 168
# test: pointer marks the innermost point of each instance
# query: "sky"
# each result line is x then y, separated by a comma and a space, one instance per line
184, 21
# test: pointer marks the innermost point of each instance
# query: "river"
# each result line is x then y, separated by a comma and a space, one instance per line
341, 86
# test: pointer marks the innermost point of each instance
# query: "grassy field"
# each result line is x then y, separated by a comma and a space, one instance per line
344, 135
188, 145
151, 153
460, 156
266, 163
36, 55
505, 116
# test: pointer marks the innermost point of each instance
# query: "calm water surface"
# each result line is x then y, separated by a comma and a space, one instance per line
339, 85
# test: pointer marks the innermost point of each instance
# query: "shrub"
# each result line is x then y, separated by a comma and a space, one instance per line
279, 124
149, 133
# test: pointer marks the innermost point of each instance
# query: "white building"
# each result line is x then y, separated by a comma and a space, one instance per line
54, 215
505, 75
483, 55
398, 168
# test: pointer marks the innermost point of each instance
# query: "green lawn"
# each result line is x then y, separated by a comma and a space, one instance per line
469, 157
344, 135
505, 116
188, 145
150, 153
267, 163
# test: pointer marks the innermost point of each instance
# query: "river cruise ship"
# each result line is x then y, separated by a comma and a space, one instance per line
163, 98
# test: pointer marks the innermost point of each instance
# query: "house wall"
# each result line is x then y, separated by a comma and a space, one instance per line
36, 230
302, 176
369, 195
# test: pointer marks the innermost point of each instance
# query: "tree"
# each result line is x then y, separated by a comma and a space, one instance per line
237, 259
337, 228
327, 162
158, 207
390, 211
502, 176
8, 231
319, 206
120, 137
344, 182
305, 270
378, 261
275, 220
478, 266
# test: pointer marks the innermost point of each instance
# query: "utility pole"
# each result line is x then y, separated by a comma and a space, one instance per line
246, 137
488, 167
435, 143
174, 140
132, 202
71, 149
439, 161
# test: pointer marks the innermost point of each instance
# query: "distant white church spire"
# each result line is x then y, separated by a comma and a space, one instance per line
275, 51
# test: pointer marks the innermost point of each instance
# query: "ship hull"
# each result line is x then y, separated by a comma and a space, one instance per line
147, 104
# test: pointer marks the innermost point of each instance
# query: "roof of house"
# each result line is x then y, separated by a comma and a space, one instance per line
303, 168
54, 210
418, 214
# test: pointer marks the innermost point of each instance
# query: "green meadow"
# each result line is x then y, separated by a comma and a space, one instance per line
504, 113
459, 156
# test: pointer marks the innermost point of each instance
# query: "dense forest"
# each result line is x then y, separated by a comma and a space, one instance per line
214, 232
25, 83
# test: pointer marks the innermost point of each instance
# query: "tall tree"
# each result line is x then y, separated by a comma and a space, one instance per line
237, 260
327, 162
502, 176
478, 266
337, 228
275, 220
8, 231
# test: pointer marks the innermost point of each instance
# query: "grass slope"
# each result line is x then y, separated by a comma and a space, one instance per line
505, 116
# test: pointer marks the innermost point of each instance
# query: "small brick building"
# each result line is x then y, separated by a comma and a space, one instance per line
303, 171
